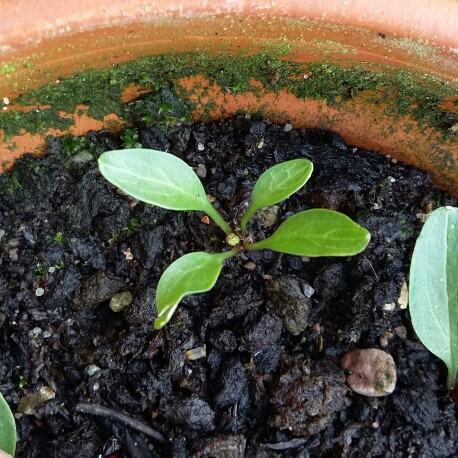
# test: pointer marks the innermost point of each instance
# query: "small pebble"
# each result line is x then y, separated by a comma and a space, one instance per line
196, 353
92, 369
30, 402
6, 101
201, 171
269, 216
128, 254
120, 301
250, 265
391, 179
403, 295
308, 290
200, 147
385, 339
80, 159
288, 127
401, 332
39, 292
36, 331
389, 307
372, 372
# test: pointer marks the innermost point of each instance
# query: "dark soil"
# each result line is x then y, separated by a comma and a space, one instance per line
270, 384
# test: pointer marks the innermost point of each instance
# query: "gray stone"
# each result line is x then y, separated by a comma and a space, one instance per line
290, 302
99, 288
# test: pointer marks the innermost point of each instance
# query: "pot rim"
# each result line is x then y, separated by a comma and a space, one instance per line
30, 21
369, 121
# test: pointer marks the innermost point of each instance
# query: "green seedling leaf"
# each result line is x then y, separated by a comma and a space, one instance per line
276, 184
7, 428
158, 178
433, 289
317, 232
190, 274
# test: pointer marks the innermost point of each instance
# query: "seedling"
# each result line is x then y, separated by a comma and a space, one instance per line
433, 289
130, 139
164, 180
59, 238
7, 428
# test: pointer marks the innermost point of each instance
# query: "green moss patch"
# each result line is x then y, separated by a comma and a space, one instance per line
101, 90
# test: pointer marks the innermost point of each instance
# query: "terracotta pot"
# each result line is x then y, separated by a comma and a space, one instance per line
384, 75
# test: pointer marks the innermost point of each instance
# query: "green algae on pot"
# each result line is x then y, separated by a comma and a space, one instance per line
401, 113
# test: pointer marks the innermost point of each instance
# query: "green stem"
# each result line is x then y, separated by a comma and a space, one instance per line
257, 245
218, 219
227, 254
245, 218
451, 378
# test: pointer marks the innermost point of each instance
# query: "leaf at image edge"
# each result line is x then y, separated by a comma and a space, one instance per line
192, 273
433, 287
7, 428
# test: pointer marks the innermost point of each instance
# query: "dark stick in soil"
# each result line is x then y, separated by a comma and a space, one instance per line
95, 409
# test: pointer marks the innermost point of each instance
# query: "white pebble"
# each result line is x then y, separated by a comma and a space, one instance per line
196, 353
389, 307
200, 147
39, 292
6, 101
288, 127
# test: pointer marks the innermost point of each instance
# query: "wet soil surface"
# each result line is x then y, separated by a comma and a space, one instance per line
274, 327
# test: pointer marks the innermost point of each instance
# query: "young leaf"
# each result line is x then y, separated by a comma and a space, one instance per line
158, 178
7, 428
433, 289
317, 232
276, 184
190, 274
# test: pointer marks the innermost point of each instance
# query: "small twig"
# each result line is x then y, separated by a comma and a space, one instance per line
96, 409
293, 443
370, 264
